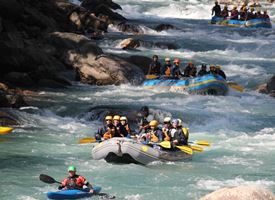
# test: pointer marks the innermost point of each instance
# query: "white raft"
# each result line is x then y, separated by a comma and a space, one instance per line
125, 150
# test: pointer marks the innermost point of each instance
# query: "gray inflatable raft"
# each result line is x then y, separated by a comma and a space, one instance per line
124, 150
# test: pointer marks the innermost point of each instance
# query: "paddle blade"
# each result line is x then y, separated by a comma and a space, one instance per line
46, 179
196, 148
86, 140
5, 130
165, 144
185, 149
151, 76
203, 143
235, 86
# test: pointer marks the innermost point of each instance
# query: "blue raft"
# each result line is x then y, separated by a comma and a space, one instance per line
253, 23
72, 194
207, 84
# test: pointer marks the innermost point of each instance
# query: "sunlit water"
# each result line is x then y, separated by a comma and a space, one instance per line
240, 126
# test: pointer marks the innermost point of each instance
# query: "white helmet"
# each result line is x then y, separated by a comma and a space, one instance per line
167, 119
180, 122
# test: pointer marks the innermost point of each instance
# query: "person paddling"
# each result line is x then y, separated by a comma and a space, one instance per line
74, 181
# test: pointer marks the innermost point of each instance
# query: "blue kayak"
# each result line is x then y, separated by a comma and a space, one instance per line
207, 84
73, 194
252, 23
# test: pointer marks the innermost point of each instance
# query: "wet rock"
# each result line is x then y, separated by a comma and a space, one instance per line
130, 28
142, 62
50, 83
7, 119
268, 88
11, 9
166, 45
129, 44
92, 66
92, 4
19, 79
240, 193
8, 99
1, 27
162, 27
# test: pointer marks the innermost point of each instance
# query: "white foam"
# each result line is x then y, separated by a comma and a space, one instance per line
133, 197
214, 184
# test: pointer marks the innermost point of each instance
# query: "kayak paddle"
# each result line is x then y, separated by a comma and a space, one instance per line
151, 76
5, 130
47, 179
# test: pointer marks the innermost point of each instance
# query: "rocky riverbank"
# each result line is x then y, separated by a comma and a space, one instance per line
42, 39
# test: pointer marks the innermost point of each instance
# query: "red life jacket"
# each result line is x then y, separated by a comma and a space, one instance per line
75, 182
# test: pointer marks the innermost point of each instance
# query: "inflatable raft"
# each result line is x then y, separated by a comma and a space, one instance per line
73, 194
207, 84
253, 23
124, 150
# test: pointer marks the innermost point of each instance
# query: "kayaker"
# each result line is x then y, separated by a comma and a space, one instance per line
166, 69
155, 66
234, 14
125, 126
155, 132
107, 131
185, 132
220, 72
225, 12
166, 129
203, 70
216, 9
74, 181
177, 135
176, 73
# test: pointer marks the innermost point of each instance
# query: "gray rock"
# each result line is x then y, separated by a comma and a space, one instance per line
19, 79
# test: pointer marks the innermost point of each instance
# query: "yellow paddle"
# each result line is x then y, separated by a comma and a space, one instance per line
185, 149
201, 142
151, 76
87, 140
235, 86
196, 148
5, 130
164, 144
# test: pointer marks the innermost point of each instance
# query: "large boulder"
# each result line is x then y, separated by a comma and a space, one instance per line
142, 62
11, 9
166, 45
11, 100
90, 63
130, 43
240, 193
268, 88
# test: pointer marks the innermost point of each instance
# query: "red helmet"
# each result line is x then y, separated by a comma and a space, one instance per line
176, 60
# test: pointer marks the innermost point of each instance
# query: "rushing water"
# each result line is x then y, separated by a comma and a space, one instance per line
240, 126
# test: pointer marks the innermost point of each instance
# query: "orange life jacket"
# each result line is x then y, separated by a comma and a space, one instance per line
153, 136
166, 135
168, 71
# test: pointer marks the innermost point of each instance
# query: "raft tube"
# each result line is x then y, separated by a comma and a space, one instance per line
207, 84
5, 130
73, 194
253, 23
125, 150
